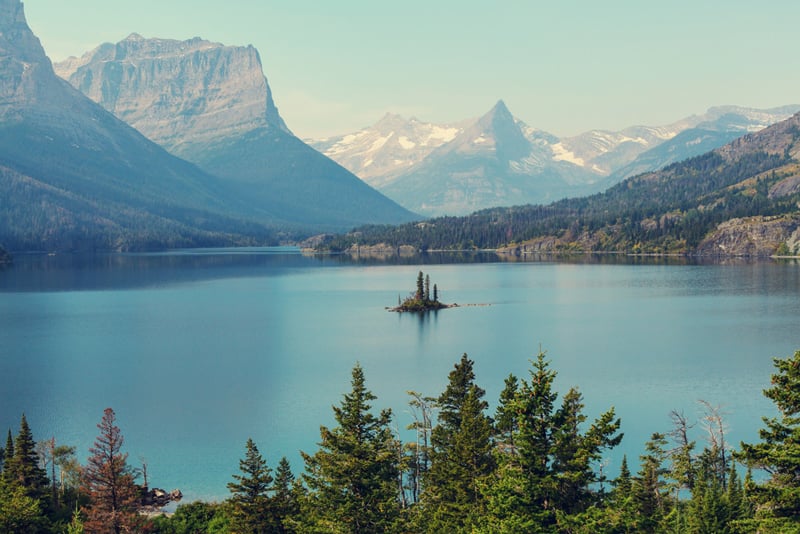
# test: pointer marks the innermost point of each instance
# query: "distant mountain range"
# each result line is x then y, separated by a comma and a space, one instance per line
499, 160
739, 199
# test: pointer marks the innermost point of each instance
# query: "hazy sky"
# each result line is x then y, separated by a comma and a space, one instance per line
564, 66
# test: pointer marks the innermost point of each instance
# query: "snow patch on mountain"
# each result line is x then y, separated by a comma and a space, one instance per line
561, 153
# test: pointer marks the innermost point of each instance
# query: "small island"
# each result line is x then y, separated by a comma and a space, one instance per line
422, 300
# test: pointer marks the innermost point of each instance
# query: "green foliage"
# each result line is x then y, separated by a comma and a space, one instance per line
461, 454
420, 300
778, 500
353, 478
505, 420
75, 525
194, 518
553, 457
19, 512
251, 506
23, 468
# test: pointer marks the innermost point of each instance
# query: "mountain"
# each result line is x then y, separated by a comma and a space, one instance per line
717, 127
212, 105
401, 159
74, 176
497, 160
383, 151
739, 199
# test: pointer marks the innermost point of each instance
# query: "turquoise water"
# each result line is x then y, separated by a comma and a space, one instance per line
198, 351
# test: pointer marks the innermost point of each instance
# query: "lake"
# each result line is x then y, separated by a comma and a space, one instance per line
198, 350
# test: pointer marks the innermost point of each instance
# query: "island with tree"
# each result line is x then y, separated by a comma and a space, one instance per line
422, 300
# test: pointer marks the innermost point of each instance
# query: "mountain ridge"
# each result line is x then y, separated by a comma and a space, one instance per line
71, 175
211, 104
575, 166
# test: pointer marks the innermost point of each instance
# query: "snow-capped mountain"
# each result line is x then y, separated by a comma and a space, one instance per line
498, 159
388, 148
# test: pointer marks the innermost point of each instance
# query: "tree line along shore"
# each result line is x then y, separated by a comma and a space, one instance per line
534, 465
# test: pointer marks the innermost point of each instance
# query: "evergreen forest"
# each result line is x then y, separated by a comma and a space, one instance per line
532, 466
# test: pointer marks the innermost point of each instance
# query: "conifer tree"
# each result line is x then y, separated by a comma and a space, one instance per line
650, 488
352, 478
109, 482
778, 500
505, 419
25, 468
284, 499
420, 294
554, 457
460, 454
252, 511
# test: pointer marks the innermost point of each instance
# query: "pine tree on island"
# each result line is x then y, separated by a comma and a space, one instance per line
420, 300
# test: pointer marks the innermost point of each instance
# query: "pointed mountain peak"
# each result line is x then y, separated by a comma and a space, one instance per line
390, 122
134, 37
500, 107
499, 110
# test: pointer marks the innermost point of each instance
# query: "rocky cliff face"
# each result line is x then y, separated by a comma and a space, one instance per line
73, 176
754, 236
177, 92
27, 74
210, 104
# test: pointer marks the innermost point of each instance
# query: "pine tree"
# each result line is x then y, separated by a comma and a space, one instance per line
284, 499
460, 454
505, 419
649, 489
109, 482
25, 468
555, 458
778, 500
420, 294
252, 511
352, 478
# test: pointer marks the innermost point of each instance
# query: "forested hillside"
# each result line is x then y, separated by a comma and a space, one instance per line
754, 179
534, 465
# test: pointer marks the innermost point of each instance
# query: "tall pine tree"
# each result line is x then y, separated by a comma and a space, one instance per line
252, 509
552, 465
461, 454
25, 469
108, 480
352, 478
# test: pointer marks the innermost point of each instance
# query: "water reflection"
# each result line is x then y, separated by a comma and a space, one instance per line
70, 272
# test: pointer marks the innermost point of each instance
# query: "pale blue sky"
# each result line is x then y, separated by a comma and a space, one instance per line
563, 66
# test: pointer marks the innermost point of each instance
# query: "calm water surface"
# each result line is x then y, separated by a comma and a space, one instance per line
198, 351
